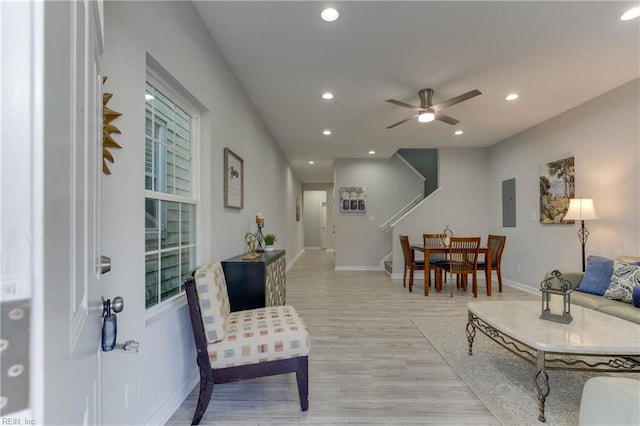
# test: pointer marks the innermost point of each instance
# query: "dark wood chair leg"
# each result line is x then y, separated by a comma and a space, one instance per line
302, 377
404, 277
206, 389
499, 280
475, 285
410, 279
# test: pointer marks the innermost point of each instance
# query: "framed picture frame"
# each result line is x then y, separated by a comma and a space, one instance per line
557, 187
233, 180
353, 199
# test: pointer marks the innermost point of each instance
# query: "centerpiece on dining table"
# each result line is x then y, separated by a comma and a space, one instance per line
447, 234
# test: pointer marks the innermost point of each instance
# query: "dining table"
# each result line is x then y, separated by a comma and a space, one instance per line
445, 250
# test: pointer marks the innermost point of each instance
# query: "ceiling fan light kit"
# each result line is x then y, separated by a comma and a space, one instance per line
426, 117
427, 111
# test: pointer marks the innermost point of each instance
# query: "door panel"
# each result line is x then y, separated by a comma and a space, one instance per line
71, 291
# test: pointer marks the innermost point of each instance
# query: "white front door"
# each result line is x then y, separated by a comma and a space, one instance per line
67, 290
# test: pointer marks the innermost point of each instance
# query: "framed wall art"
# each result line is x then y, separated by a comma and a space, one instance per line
233, 180
557, 186
353, 199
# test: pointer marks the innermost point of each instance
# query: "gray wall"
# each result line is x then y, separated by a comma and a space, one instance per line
604, 137
460, 202
173, 34
425, 161
390, 184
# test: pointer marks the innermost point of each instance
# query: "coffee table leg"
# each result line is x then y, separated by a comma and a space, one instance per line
541, 384
471, 333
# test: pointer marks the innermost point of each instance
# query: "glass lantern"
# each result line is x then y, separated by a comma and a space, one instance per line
556, 298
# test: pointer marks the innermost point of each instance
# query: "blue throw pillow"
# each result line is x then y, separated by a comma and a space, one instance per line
635, 296
597, 276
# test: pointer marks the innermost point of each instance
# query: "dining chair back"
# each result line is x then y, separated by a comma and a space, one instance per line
433, 241
463, 260
496, 243
410, 263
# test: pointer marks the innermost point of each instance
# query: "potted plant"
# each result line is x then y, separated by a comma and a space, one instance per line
269, 239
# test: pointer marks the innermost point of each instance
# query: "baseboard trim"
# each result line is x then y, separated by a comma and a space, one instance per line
330, 250
359, 268
169, 407
521, 286
294, 260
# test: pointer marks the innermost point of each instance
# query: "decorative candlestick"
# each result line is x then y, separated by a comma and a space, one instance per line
259, 238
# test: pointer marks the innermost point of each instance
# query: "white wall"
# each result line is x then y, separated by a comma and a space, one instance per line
329, 242
604, 137
461, 202
173, 34
390, 184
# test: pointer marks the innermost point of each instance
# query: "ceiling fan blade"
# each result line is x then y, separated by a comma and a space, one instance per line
456, 100
449, 120
400, 122
402, 104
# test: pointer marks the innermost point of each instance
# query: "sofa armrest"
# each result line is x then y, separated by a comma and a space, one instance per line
575, 278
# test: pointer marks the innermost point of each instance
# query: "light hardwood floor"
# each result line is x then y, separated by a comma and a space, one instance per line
368, 364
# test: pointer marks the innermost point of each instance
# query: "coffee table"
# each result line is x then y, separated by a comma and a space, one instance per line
593, 341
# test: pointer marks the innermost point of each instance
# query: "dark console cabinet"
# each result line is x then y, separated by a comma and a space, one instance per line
256, 283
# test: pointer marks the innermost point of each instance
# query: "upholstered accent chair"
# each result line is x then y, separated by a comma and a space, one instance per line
240, 345
496, 243
411, 264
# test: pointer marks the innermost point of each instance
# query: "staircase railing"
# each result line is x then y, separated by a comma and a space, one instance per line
402, 211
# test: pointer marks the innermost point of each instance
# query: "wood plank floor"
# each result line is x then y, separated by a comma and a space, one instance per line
369, 364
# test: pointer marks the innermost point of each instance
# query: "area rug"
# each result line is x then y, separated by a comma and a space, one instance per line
502, 380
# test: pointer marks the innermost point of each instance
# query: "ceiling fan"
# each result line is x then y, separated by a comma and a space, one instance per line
427, 112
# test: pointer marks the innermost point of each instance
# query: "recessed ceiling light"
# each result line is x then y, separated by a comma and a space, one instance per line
512, 97
326, 132
327, 96
371, 152
148, 96
312, 162
458, 132
630, 14
330, 14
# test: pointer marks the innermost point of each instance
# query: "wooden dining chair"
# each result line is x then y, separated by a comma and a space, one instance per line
463, 260
496, 243
433, 241
411, 264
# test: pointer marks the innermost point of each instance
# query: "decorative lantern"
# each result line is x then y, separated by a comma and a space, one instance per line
556, 299
447, 233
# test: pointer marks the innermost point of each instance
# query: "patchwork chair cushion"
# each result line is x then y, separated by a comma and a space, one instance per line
260, 335
213, 300
242, 345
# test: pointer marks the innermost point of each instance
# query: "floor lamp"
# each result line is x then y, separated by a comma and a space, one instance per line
581, 209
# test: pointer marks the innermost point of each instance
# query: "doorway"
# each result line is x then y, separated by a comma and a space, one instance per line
312, 219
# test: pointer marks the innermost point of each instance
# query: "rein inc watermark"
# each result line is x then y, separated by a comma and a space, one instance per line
17, 421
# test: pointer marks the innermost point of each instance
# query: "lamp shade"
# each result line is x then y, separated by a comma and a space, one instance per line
581, 209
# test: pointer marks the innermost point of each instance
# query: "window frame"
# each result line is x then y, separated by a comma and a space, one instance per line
173, 94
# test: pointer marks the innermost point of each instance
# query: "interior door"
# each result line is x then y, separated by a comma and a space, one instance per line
72, 138
323, 231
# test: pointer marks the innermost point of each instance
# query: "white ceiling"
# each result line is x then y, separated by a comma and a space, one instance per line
556, 55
